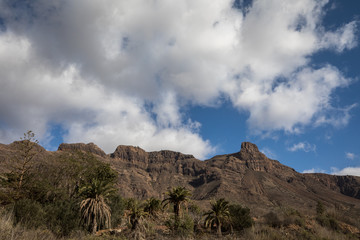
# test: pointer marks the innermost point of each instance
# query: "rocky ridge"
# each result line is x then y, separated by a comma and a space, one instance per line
247, 176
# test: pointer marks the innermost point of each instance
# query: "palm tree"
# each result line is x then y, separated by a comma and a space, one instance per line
218, 214
152, 206
136, 213
95, 212
177, 196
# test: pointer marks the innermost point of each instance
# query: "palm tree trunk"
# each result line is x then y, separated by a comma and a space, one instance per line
177, 211
219, 228
135, 224
94, 226
177, 215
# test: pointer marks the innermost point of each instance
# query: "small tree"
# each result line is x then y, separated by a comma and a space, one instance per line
95, 211
320, 208
240, 217
152, 206
136, 213
177, 196
218, 214
21, 165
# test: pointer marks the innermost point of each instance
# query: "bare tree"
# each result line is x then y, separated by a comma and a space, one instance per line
21, 164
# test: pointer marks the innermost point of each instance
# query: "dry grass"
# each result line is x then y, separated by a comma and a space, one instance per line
310, 230
10, 232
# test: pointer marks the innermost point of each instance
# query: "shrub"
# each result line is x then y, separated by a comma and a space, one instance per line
240, 217
117, 205
29, 213
328, 222
62, 217
320, 208
181, 227
272, 220
300, 221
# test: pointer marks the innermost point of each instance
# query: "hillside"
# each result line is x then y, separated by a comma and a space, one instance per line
247, 177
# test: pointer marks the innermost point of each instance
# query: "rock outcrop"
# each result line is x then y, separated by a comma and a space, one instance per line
90, 147
130, 153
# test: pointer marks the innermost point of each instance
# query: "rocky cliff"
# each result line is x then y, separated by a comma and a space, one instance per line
247, 176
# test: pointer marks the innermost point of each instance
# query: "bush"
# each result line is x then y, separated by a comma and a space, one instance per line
300, 222
320, 208
272, 220
62, 217
117, 205
29, 213
182, 227
328, 222
240, 217
325, 220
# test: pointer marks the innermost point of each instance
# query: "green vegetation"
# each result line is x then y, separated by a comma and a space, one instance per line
153, 206
68, 193
95, 211
218, 215
325, 219
240, 217
17, 180
136, 213
177, 197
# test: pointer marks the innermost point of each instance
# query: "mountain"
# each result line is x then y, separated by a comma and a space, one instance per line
247, 177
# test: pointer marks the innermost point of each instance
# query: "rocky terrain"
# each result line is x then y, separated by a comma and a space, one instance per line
247, 177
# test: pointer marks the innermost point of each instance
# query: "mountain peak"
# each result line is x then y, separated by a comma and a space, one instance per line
250, 151
249, 147
90, 147
130, 153
252, 157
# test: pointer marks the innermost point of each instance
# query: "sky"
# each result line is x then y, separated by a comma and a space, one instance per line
194, 76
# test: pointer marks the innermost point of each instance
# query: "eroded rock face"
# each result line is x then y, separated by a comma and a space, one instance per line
166, 155
137, 154
90, 147
253, 158
130, 153
249, 157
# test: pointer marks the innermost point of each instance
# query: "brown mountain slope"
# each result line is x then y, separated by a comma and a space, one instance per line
248, 177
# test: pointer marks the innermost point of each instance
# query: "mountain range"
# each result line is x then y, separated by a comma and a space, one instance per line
247, 177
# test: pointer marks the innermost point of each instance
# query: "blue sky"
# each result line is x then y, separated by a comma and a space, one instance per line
189, 76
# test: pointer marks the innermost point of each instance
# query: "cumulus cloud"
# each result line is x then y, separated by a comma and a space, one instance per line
303, 146
89, 111
121, 72
354, 171
314, 170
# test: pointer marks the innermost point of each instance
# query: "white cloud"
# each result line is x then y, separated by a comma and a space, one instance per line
314, 170
343, 38
89, 111
289, 104
350, 155
121, 72
337, 117
353, 171
269, 153
303, 146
